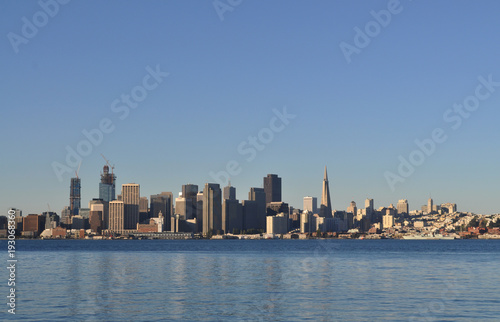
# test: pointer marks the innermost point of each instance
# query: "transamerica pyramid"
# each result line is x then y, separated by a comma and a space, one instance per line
326, 204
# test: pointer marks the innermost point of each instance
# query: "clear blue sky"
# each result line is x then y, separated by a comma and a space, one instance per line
226, 77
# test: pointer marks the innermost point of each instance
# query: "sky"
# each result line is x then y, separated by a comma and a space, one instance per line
174, 91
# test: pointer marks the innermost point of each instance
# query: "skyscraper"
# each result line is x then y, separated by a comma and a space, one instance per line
107, 185
190, 191
326, 204
116, 216
311, 204
212, 208
259, 196
229, 192
272, 187
163, 203
74, 196
232, 216
131, 197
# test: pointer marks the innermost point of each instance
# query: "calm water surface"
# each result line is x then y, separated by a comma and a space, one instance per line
260, 280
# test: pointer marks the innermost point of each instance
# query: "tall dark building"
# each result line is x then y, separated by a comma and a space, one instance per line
259, 196
190, 192
212, 208
107, 185
232, 216
74, 196
272, 187
163, 203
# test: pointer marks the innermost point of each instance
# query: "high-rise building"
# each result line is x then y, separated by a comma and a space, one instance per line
403, 207
429, 205
353, 209
229, 192
259, 196
190, 192
326, 204
130, 198
250, 214
232, 216
116, 216
107, 185
163, 203
183, 208
143, 210
369, 208
275, 208
51, 219
272, 188
199, 211
212, 208
95, 221
311, 204
102, 206
33, 225
75, 196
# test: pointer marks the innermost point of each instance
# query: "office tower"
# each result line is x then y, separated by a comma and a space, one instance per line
116, 216
212, 208
353, 209
162, 203
272, 188
102, 206
84, 213
51, 219
33, 225
429, 205
311, 204
369, 207
326, 204
66, 215
190, 191
275, 208
143, 204
107, 185
183, 208
277, 225
403, 207
306, 222
232, 216
95, 221
143, 210
250, 214
199, 211
74, 196
229, 192
259, 196
130, 198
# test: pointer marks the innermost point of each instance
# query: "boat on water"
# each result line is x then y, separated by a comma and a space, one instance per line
429, 236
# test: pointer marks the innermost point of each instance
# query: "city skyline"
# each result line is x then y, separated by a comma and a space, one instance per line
216, 92
231, 192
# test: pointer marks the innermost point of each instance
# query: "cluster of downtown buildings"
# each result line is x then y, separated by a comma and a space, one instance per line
214, 211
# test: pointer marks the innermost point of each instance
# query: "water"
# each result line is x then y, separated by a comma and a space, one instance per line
256, 280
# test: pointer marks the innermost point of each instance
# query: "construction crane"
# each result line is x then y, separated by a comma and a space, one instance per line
78, 170
111, 166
